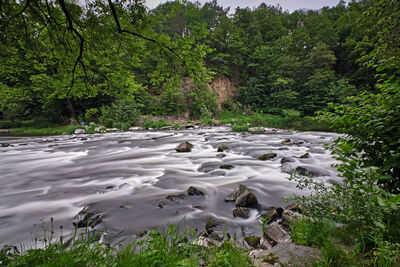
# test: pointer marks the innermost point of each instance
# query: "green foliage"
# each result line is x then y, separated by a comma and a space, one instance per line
91, 114
124, 113
240, 128
171, 247
149, 123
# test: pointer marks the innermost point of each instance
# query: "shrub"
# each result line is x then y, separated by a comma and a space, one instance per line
123, 112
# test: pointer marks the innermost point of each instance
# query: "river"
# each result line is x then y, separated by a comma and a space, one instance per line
126, 178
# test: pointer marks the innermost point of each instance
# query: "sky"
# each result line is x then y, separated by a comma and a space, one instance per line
290, 5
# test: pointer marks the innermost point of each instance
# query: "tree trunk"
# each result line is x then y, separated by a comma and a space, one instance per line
70, 108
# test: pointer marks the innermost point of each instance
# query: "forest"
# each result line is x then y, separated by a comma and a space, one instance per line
65, 62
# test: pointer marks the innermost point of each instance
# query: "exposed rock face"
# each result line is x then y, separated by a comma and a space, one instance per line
87, 218
241, 212
243, 197
184, 147
267, 156
193, 191
224, 89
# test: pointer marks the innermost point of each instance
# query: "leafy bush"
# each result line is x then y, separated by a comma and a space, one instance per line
90, 114
124, 112
240, 128
148, 123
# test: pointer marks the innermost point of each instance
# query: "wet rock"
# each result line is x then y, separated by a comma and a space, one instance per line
241, 212
184, 147
222, 148
243, 197
286, 141
220, 155
5, 145
218, 173
287, 159
272, 214
267, 156
4, 131
253, 240
305, 156
276, 233
79, 131
193, 191
86, 218
226, 166
210, 223
283, 148
111, 130
176, 198
312, 171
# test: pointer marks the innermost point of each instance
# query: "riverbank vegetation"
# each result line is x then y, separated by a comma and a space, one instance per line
112, 62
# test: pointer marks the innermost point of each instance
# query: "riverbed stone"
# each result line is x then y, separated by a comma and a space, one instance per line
210, 223
305, 156
222, 148
221, 155
276, 233
243, 197
226, 166
80, 131
272, 214
5, 145
253, 240
287, 159
241, 212
267, 156
176, 197
86, 218
184, 147
287, 141
193, 191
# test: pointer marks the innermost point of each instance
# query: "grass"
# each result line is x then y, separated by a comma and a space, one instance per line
274, 121
147, 124
53, 130
157, 248
340, 246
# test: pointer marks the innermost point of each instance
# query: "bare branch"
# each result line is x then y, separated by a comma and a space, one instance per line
81, 43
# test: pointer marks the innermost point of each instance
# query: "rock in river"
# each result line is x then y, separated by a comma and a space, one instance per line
87, 218
193, 191
243, 197
267, 156
241, 212
184, 147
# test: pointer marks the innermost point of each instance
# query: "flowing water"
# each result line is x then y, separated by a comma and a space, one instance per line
126, 177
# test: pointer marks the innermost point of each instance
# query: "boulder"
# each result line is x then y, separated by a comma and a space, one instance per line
287, 159
193, 191
226, 166
286, 141
290, 216
305, 156
243, 197
5, 145
176, 198
222, 148
276, 233
267, 156
184, 147
272, 214
295, 206
79, 131
253, 240
312, 171
241, 212
86, 218
210, 223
